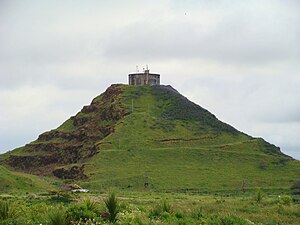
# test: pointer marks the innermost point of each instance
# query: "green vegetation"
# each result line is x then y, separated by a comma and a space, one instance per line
149, 208
171, 161
131, 137
112, 207
17, 182
57, 216
7, 210
181, 147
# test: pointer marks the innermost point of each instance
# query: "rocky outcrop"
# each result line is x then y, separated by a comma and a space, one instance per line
73, 143
74, 172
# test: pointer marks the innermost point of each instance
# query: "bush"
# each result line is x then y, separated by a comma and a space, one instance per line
159, 210
81, 211
57, 216
284, 200
179, 215
7, 210
90, 205
60, 196
112, 207
198, 214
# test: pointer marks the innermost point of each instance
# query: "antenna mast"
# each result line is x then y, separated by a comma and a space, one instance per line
147, 73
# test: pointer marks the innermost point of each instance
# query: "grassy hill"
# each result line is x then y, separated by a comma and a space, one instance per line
17, 182
132, 135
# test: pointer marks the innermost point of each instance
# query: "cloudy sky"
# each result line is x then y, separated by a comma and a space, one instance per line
238, 59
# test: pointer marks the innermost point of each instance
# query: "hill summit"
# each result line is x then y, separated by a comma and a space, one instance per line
130, 136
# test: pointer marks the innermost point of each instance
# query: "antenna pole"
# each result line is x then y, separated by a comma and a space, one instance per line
131, 105
147, 71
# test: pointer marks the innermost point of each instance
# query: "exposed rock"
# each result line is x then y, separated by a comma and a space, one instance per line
75, 172
65, 146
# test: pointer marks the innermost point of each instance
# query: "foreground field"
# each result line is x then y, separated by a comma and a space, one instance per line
150, 208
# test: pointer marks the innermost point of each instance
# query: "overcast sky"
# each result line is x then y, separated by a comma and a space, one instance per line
238, 59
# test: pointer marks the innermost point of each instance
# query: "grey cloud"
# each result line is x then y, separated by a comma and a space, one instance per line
182, 41
238, 59
240, 37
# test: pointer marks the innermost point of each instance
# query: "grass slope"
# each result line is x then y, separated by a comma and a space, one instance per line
176, 145
131, 135
17, 182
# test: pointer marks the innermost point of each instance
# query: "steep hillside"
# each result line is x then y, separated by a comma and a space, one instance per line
20, 182
151, 135
74, 141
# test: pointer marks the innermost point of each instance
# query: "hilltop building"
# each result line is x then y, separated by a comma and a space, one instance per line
145, 78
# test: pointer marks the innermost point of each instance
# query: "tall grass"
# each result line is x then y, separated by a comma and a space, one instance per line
7, 210
57, 217
166, 207
90, 205
158, 210
259, 196
112, 206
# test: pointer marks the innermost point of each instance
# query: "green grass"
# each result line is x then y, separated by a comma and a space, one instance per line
170, 143
157, 208
17, 182
182, 153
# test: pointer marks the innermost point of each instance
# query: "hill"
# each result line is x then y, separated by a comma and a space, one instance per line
17, 182
131, 136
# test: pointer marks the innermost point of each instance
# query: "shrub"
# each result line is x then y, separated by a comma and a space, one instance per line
80, 211
60, 196
155, 212
90, 205
285, 200
112, 207
198, 214
159, 210
7, 210
179, 215
57, 217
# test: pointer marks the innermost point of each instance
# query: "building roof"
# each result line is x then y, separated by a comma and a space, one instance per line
144, 74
